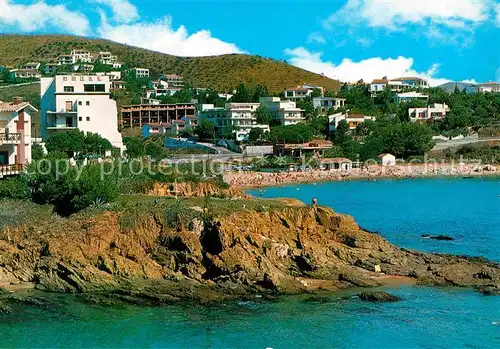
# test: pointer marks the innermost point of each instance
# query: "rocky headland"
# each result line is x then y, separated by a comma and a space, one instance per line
159, 251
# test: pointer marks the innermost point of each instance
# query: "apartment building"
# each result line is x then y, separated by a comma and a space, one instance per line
489, 87
139, 72
397, 85
285, 112
140, 114
64, 59
15, 134
79, 102
31, 66
106, 58
81, 56
25, 73
324, 104
240, 117
301, 92
172, 80
433, 111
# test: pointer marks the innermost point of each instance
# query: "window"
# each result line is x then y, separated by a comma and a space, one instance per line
69, 89
79, 102
87, 103
80, 118
87, 118
94, 88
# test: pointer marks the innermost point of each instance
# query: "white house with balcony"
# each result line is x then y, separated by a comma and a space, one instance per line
82, 56
353, 120
240, 117
106, 58
324, 104
79, 102
431, 112
139, 72
397, 85
285, 112
15, 134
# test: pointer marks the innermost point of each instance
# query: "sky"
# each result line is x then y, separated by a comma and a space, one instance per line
349, 40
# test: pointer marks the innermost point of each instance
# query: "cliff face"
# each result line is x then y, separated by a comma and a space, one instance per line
293, 249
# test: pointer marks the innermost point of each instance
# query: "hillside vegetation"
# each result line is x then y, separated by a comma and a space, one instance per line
223, 73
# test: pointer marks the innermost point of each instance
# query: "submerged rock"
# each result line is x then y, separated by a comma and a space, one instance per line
438, 237
4, 308
378, 297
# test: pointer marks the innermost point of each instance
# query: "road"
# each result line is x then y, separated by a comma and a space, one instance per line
464, 141
221, 154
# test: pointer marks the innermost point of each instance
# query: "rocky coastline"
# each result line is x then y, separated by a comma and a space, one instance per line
263, 247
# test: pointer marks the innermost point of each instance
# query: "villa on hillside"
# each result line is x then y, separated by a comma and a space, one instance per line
324, 104
139, 72
25, 73
353, 120
79, 102
300, 92
397, 85
433, 111
15, 135
489, 87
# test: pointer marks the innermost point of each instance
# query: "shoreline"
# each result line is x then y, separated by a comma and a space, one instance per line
255, 180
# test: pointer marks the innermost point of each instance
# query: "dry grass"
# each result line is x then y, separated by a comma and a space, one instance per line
221, 72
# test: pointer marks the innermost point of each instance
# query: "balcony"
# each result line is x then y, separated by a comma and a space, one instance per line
10, 170
10, 138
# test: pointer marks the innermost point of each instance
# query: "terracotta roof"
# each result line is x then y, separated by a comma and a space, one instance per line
408, 78
335, 160
166, 125
296, 89
10, 107
355, 116
179, 122
380, 81
192, 117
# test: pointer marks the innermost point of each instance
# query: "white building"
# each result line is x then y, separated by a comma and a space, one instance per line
107, 58
433, 111
324, 104
79, 102
15, 132
26, 73
31, 66
80, 56
353, 120
286, 112
172, 81
387, 160
140, 72
113, 75
489, 87
65, 59
398, 84
238, 116
410, 96
298, 92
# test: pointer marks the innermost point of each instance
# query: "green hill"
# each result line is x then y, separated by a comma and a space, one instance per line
221, 72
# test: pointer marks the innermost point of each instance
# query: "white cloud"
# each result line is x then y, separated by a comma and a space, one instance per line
316, 37
123, 10
39, 15
497, 10
393, 14
367, 69
162, 37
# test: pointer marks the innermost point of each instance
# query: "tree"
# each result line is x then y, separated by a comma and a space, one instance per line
255, 134
94, 144
263, 115
205, 129
36, 152
242, 94
260, 91
316, 93
135, 148
71, 142
307, 105
299, 133
341, 134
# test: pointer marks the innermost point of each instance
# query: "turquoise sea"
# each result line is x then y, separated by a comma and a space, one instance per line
467, 209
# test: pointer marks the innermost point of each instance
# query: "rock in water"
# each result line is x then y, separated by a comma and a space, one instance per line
438, 237
4, 309
378, 297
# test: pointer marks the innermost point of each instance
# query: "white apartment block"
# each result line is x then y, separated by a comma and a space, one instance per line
299, 92
107, 58
410, 96
286, 112
140, 72
26, 73
79, 102
80, 56
433, 111
489, 87
15, 132
31, 66
172, 80
65, 59
240, 116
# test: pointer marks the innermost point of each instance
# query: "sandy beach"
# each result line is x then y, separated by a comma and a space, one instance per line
252, 179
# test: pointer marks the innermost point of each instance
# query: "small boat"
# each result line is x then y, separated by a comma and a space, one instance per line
467, 177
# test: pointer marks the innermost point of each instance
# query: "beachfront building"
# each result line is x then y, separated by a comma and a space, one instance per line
238, 117
431, 112
15, 135
139, 72
489, 87
316, 147
410, 96
324, 104
79, 102
387, 159
139, 114
353, 120
335, 164
284, 112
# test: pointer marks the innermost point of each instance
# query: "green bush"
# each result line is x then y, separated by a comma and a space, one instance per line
14, 188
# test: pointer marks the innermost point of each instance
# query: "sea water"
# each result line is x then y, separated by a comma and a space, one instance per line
467, 209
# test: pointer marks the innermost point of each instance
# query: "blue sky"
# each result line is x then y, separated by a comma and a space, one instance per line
345, 39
